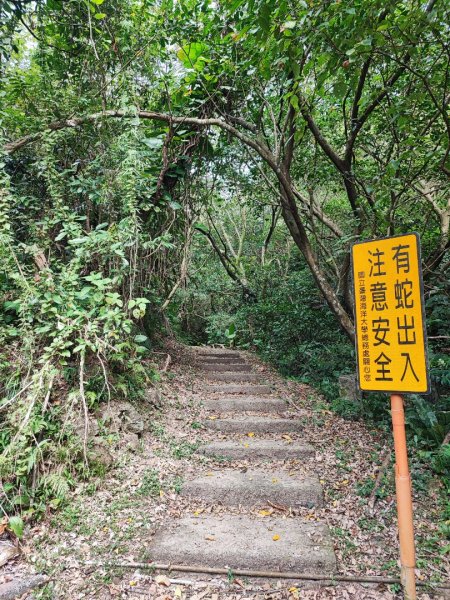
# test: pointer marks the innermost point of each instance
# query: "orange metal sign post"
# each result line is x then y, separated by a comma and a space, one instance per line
391, 352
404, 500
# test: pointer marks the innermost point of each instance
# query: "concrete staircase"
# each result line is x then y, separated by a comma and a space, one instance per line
252, 540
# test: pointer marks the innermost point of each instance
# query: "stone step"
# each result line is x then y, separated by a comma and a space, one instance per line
250, 448
238, 389
219, 353
254, 424
245, 404
220, 360
240, 542
255, 488
233, 376
223, 367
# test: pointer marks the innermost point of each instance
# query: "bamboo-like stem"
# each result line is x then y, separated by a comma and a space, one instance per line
263, 574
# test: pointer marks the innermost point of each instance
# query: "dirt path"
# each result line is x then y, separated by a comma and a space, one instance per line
267, 480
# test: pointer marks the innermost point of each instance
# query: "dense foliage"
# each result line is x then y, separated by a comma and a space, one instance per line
204, 168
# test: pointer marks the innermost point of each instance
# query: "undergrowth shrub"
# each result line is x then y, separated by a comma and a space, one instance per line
76, 290
292, 327
220, 327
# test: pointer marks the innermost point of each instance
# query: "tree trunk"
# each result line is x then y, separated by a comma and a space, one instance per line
299, 236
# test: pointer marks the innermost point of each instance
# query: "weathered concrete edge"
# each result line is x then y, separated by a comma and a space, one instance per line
266, 425
269, 453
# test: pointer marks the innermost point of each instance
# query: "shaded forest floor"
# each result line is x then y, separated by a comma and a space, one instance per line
112, 519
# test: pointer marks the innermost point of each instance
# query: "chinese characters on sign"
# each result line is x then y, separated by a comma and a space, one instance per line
390, 332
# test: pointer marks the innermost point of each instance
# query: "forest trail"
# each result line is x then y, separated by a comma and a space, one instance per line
269, 543
177, 174
268, 480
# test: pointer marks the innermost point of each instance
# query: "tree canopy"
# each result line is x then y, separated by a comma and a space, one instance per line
168, 165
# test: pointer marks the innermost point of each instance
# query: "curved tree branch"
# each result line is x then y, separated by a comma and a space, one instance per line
227, 264
289, 206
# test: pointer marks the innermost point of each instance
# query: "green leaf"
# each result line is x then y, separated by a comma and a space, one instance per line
12, 305
230, 333
78, 241
15, 524
99, 16
340, 89
154, 143
140, 338
191, 55
97, 2
202, 227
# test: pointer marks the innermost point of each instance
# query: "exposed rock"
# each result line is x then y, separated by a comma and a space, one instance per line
123, 415
131, 420
18, 587
79, 427
108, 414
131, 440
8, 550
100, 453
153, 396
125, 419
348, 388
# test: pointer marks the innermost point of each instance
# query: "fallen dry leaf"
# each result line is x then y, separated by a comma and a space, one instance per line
162, 580
3, 524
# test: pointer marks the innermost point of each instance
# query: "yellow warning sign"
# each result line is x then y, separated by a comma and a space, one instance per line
389, 315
